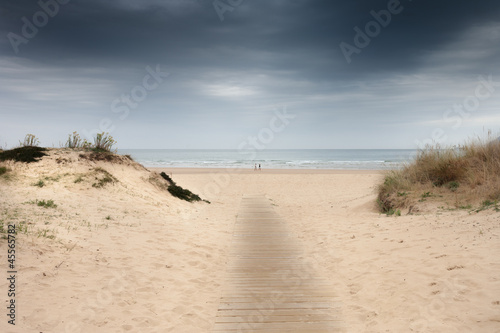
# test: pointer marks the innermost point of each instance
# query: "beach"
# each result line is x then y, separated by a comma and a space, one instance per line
129, 257
231, 166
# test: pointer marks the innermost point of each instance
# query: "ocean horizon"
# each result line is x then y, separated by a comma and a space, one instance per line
341, 159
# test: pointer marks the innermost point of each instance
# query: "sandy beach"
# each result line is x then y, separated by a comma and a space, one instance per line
129, 257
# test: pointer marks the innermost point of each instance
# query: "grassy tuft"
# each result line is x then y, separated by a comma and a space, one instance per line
75, 141
40, 183
3, 170
466, 175
30, 140
103, 178
103, 142
46, 204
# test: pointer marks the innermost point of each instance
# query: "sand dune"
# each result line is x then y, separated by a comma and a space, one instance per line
128, 257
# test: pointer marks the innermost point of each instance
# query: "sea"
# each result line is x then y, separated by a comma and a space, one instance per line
341, 159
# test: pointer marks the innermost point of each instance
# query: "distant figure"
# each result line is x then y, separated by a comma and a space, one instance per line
259, 167
255, 168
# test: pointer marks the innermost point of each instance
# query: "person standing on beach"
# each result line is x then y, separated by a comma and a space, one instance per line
255, 167
259, 167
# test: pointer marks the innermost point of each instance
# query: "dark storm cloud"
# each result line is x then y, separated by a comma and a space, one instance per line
293, 35
263, 53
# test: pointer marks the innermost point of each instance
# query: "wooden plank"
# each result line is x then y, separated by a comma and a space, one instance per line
270, 286
282, 326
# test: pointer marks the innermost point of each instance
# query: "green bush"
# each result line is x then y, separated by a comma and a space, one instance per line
180, 192
46, 204
167, 178
183, 194
26, 154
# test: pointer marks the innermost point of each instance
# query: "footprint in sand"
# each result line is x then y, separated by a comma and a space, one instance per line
451, 268
355, 288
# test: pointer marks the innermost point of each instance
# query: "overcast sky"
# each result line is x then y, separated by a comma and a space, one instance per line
352, 74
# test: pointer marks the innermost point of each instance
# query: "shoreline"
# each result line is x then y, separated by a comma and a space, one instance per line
245, 171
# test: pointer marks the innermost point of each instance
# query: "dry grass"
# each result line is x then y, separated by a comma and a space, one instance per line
458, 177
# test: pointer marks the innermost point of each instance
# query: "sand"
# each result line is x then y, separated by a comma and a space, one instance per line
129, 257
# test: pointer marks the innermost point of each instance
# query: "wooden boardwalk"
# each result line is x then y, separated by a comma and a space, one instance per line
270, 286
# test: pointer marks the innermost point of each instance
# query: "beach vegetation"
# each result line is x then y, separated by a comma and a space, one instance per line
102, 178
30, 140
179, 192
45, 234
426, 195
3, 170
467, 175
487, 204
103, 142
40, 183
104, 156
26, 154
54, 179
395, 212
76, 142
45, 203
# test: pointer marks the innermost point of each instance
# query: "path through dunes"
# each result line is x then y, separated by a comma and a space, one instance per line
270, 286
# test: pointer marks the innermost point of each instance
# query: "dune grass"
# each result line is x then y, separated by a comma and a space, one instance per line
30, 140
102, 178
75, 141
44, 203
461, 177
29, 150
103, 142
40, 183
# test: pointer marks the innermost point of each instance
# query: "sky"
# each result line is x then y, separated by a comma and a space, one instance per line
273, 74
